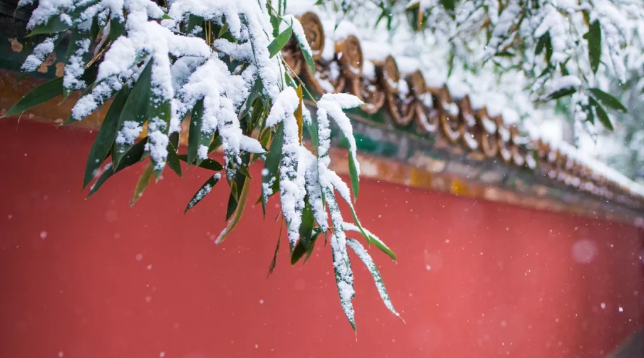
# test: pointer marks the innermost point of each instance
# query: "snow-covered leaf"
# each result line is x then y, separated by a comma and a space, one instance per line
198, 139
203, 191
364, 256
271, 165
343, 275
207, 163
173, 159
375, 240
134, 114
105, 137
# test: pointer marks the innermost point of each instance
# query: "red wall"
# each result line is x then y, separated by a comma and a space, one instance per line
476, 279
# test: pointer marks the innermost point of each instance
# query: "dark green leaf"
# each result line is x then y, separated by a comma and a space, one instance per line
562, 93
117, 29
106, 136
607, 100
353, 174
173, 159
300, 249
203, 191
36, 96
594, 45
548, 45
196, 137
306, 227
601, 114
271, 165
54, 25
541, 44
75, 48
216, 143
209, 163
280, 41
133, 156
135, 109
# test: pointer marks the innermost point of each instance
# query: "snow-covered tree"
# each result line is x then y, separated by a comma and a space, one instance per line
217, 65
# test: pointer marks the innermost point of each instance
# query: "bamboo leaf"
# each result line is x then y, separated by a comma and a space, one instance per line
133, 156
36, 96
353, 176
209, 163
271, 165
173, 160
280, 41
135, 110
343, 277
54, 25
105, 137
203, 191
363, 255
375, 240
594, 45
562, 93
196, 137
144, 180
238, 214
271, 267
300, 249
298, 113
601, 114
608, 100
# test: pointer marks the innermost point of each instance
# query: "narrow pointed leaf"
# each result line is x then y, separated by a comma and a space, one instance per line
343, 276
353, 175
54, 25
173, 160
144, 180
594, 45
608, 100
298, 113
601, 114
363, 255
300, 249
209, 163
375, 240
196, 137
203, 191
106, 136
280, 41
135, 111
133, 156
238, 214
271, 165
36, 96
271, 267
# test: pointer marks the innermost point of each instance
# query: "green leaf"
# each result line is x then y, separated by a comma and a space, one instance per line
601, 114
271, 165
117, 29
209, 163
159, 118
36, 96
203, 191
135, 109
353, 175
312, 130
548, 45
74, 46
363, 255
562, 93
54, 25
280, 41
300, 249
594, 45
271, 267
106, 136
237, 185
133, 156
238, 213
196, 137
607, 100
173, 159
144, 180
306, 227
216, 143
541, 44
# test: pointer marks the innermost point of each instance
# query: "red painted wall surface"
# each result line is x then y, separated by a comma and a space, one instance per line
94, 278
